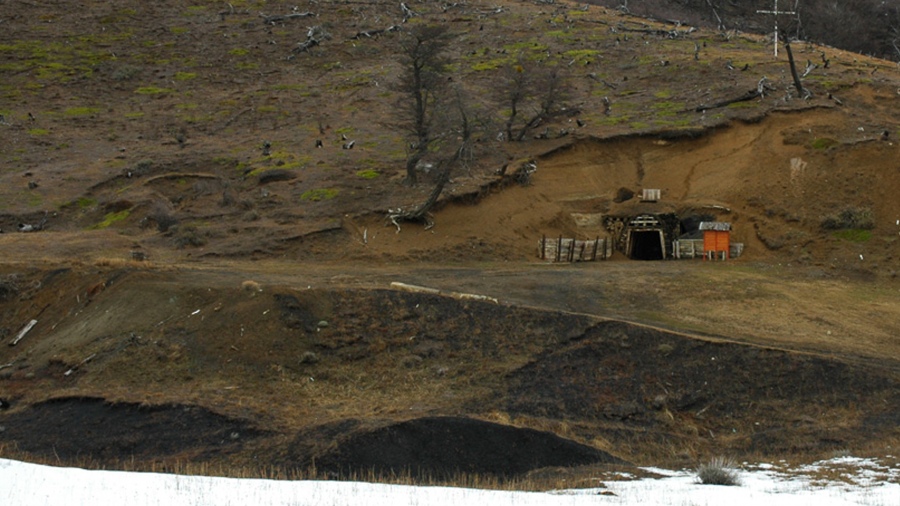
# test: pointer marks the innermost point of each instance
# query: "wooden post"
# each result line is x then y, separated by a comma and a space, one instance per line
596, 243
543, 247
775, 12
571, 256
558, 248
581, 253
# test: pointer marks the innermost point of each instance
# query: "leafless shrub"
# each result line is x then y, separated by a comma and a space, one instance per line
142, 168
228, 199
205, 187
718, 471
9, 287
850, 218
162, 217
187, 236
125, 72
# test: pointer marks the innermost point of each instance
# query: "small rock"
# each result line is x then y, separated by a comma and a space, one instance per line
322, 324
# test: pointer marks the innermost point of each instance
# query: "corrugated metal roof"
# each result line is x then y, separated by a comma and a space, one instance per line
721, 226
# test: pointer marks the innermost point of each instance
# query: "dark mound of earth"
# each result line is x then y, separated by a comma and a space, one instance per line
86, 427
445, 447
766, 400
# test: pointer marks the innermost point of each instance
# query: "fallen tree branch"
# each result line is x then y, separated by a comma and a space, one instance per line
314, 36
368, 34
73, 369
810, 66
22, 332
672, 34
593, 76
759, 92
28, 227
271, 20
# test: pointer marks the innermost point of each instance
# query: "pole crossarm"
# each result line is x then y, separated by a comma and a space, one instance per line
775, 12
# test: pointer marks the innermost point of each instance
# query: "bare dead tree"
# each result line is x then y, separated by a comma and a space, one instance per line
460, 157
518, 84
721, 24
423, 84
533, 94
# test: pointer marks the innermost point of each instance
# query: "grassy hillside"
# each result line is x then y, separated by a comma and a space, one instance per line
202, 269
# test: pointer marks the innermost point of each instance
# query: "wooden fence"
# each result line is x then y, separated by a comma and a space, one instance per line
573, 250
693, 248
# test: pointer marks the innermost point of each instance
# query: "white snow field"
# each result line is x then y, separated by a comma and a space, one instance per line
854, 482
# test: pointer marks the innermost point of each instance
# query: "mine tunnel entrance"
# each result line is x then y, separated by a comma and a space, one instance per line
646, 245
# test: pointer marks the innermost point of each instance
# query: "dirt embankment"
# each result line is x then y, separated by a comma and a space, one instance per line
198, 366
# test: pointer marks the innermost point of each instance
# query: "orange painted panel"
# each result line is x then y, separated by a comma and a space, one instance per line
709, 240
715, 240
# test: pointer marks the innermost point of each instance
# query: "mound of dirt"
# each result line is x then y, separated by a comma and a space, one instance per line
444, 447
85, 427
735, 397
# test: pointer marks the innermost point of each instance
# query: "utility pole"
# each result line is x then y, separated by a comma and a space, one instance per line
775, 12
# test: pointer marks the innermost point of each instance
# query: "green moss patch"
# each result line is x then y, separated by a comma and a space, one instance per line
853, 234
368, 174
85, 202
153, 90
111, 218
319, 194
824, 143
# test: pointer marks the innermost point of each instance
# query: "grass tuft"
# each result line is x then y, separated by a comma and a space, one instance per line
718, 471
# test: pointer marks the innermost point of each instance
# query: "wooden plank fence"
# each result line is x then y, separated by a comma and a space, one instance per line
573, 250
693, 248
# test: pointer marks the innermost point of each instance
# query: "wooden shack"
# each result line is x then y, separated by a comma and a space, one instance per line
716, 240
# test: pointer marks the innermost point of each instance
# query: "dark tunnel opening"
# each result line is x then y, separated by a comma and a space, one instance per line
647, 245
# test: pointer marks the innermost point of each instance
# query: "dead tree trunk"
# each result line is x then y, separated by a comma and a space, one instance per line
761, 87
461, 156
801, 91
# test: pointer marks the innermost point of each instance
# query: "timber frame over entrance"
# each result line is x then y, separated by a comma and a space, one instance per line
644, 236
